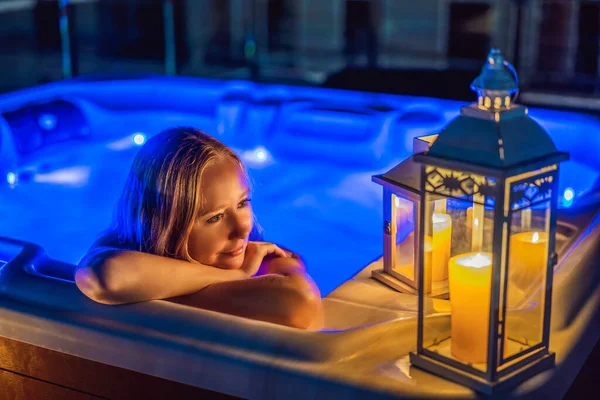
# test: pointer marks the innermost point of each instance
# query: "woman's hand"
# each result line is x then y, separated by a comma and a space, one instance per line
256, 253
282, 292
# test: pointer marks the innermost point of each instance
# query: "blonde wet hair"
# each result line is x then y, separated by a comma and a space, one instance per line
161, 198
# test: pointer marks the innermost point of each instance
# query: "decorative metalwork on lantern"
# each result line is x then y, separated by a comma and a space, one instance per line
487, 227
458, 184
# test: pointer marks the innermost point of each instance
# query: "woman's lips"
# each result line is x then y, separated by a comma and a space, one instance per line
235, 252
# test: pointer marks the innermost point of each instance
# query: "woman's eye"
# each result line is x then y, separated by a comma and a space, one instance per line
214, 219
245, 203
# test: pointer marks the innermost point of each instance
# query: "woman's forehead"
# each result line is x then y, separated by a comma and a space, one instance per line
223, 181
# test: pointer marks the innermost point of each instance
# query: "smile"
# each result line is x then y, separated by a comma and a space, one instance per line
235, 252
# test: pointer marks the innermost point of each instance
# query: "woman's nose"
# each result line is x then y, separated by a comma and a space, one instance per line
242, 226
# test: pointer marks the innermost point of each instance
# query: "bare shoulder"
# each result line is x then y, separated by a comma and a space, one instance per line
107, 244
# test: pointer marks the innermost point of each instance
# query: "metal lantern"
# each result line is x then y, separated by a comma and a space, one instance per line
493, 172
401, 227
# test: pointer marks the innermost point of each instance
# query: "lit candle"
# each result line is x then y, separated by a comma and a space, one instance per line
470, 286
528, 258
442, 238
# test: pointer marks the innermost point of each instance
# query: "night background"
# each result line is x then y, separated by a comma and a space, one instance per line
429, 48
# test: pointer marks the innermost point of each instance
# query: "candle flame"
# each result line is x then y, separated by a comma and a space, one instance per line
480, 260
475, 261
536, 237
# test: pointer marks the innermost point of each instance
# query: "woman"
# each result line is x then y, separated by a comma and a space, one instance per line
184, 231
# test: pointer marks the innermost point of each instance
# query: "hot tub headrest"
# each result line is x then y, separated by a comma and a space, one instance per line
37, 125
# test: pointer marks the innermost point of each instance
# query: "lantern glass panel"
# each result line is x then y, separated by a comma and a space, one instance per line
461, 232
404, 215
459, 336
527, 263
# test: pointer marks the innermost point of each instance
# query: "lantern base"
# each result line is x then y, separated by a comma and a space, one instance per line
477, 383
439, 290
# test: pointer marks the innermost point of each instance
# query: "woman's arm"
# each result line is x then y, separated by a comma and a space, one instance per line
286, 300
118, 276
293, 265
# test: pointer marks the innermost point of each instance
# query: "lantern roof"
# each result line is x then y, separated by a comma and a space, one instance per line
406, 175
497, 144
496, 141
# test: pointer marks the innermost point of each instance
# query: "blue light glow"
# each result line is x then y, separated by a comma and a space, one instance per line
139, 138
11, 178
47, 121
310, 161
260, 154
76, 176
569, 194
568, 197
257, 157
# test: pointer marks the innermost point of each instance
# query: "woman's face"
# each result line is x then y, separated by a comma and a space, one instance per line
220, 234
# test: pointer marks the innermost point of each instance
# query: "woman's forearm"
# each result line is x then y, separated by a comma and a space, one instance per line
129, 276
285, 300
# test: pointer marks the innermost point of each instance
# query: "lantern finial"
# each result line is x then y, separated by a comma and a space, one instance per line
496, 84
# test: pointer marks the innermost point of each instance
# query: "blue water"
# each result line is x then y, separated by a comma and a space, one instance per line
310, 152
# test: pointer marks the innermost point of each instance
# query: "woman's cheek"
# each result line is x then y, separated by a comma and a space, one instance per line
198, 251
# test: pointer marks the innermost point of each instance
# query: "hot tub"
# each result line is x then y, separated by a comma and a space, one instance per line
65, 151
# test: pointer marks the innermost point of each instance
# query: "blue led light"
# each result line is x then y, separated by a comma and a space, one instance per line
47, 121
11, 178
568, 197
260, 155
139, 138
569, 194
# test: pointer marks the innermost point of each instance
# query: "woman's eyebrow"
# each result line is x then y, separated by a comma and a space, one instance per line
244, 194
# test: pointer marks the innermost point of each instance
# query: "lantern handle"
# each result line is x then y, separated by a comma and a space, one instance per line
512, 70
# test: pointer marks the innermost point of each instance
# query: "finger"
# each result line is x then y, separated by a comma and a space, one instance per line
274, 249
290, 254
